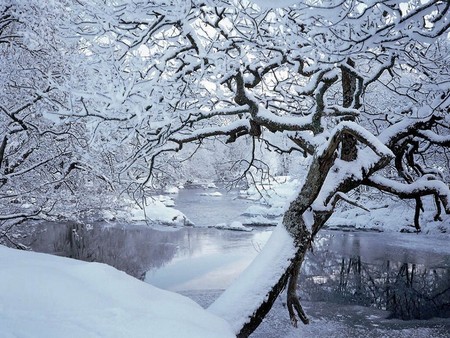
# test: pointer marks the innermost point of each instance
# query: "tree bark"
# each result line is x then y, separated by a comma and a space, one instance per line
245, 298
349, 151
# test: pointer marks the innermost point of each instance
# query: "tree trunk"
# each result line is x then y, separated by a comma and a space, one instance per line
349, 151
247, 301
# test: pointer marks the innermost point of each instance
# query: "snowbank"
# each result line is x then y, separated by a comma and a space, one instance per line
385, 213
212, 194
155, 211
272, 196
388, 215
236, 226
49, 296
171, 190
166, 200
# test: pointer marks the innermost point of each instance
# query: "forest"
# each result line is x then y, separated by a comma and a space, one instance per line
105, 103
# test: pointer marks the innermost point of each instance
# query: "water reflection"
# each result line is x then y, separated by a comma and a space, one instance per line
408, 276
133, 250
379, 276
208, 259
194, 258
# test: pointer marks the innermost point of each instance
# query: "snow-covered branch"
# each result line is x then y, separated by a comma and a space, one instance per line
418, 188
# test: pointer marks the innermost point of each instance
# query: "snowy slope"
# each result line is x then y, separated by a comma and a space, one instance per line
48, 296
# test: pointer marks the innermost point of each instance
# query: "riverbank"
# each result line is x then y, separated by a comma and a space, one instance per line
365, 267
328, 320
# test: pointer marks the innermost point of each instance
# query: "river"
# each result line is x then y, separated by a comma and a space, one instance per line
352, 284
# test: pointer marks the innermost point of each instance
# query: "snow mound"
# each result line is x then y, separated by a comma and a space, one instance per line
260, 220
236, 226
388, 215
166, 200
212, 194
155, 211
171, 190
262, 215
49, 296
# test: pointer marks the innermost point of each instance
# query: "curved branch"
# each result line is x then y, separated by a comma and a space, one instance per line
421, 187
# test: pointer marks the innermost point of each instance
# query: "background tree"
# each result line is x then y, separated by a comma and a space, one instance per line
45, 168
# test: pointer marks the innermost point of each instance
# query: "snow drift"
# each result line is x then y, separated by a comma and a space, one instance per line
49, 296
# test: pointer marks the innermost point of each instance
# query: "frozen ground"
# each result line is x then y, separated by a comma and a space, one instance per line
380, 212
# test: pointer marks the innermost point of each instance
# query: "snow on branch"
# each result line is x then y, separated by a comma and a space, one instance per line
19, 215
203, 115
406, 127
235, 127
435, 138
362, 135
338, 111
282, 123
421, 187
34, 166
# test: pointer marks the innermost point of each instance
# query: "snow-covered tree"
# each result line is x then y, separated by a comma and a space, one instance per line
360, 87
45, 169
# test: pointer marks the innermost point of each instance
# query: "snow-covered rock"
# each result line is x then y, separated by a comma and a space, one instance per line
49, 296
236, 226
155, 211
171, 190
260, 220
262, 215
212, 194
166, 200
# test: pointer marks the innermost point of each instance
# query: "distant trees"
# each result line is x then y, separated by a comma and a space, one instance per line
361, 88
45, 165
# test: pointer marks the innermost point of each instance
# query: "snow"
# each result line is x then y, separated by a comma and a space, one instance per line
171, 190
212, 194
372, 141
260, 276
275, 4
273, 196
49, 296
345, 216
422, 184
263, 215
260, 220
400, 216
155, 211
236, 226
166, 200
288, 123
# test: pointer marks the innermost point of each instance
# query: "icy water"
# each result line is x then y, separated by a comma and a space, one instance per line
350, 285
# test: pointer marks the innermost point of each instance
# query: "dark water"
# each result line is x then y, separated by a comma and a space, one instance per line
407, 275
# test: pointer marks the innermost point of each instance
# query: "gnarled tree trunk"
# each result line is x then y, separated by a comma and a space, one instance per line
245, 303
